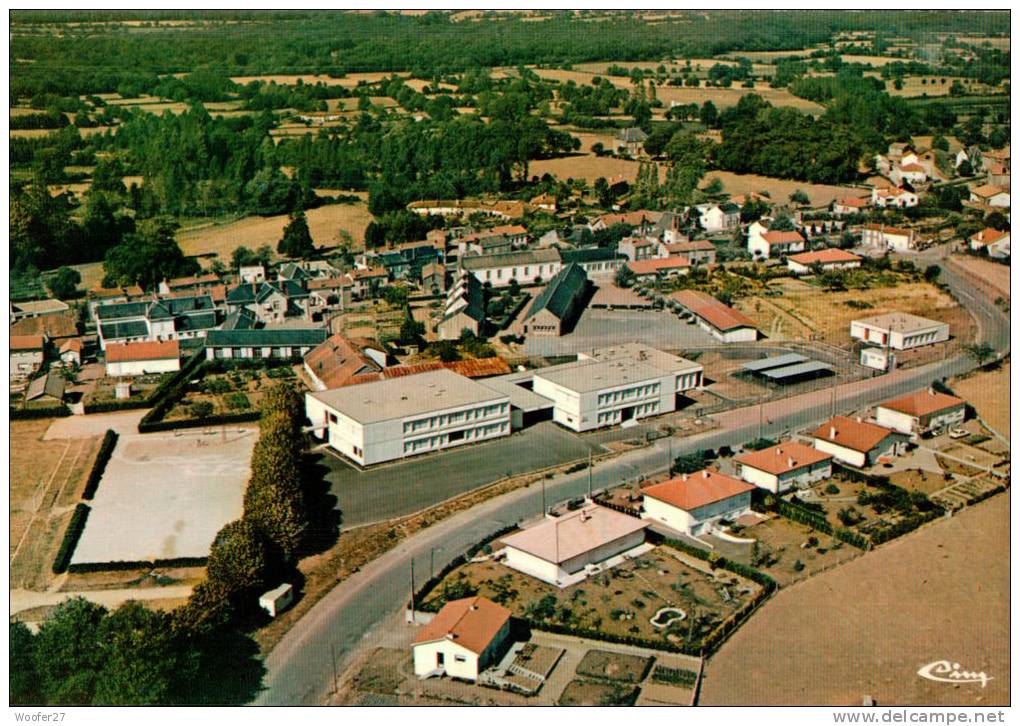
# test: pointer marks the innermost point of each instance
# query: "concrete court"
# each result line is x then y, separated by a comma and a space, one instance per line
166, 496
602, 328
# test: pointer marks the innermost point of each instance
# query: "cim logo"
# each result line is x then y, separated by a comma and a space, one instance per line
944, 671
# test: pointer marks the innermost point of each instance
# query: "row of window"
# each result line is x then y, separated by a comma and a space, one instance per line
539, 270
428, 443
606, 399
455, 418
607, 418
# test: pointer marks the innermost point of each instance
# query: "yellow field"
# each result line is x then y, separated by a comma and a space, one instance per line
988, 392
781, 189
588, 167
725, 97
350, 81
30, 133
324, 223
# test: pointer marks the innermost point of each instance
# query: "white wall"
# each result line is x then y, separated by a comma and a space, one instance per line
908, 424
142, 367
524, 274
694, 522
425, 659
529, 564
854, 458
788, 480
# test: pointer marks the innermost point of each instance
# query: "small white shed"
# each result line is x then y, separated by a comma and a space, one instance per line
276, 600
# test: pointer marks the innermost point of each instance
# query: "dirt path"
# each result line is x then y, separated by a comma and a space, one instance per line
26, 599
867, 627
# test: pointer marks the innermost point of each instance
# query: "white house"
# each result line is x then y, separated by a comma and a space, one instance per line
921, 411
884, 237
850, 205
900, 331
718, 320
775, 243
828, 259
415, 414
659, 268
27, 354
693, 503
639, 248
71, 351
269, 343
464, 638
993, 241
563, 550
991, 195
912, 173
527, 267
136, 359
784, 466
718, 217
615, 385
699, 252
857, 442
893, 197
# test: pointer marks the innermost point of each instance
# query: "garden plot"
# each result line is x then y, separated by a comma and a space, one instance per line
620, 602
165, 496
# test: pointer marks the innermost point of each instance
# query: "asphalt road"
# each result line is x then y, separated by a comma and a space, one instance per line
401, 488
299, 671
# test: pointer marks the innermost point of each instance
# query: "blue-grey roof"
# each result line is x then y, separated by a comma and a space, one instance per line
241, 319
130, 329
589, 254
776, 361
197, 321
798, 369
265, 337
563, 293
116, 311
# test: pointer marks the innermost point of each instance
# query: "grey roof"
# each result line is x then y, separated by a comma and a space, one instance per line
797, 369
508, 259
900, 322
241, 319
261, 291
590, 254
473, 295
776, 361
563, 293
198, 321
294, 271
729, 208
406, 396
49, 385
132, 329
632, 134
520, 397
116, 311
264, 337
595, 375
194, 303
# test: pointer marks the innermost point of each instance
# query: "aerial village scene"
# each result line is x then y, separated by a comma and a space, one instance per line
509, 358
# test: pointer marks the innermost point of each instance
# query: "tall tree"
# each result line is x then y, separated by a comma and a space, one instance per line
297, 239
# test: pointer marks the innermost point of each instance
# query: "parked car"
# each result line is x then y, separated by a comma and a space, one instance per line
957, 433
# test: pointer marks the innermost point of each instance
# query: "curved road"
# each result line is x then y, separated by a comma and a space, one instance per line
299, 670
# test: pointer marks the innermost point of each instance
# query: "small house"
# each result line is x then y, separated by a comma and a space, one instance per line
857, 442
27, 354
136, 359
630, 141
828, 259
694, 503
921, 411
464, 638
786, 466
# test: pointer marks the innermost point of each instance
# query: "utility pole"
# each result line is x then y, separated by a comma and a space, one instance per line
589, 475
761, 415
543, 496
332, 651
432, 562
832, 407
412, 589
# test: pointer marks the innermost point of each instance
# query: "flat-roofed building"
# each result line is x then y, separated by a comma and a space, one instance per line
564, 550
900, 331
784, 466
397, 417
615, 385
857, 442
921, 411
694, 503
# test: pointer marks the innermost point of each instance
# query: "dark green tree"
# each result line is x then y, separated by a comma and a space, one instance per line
297, 240
64, 284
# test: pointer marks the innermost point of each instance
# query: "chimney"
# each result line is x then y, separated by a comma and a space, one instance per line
832, 432
860, 420
790, 462
683, 477
704, 473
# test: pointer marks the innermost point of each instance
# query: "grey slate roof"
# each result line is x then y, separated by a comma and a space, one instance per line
241, 319
131, 329
504, 259
561, 295
589, 254
49, 385
197, 321
632, 134
117, 311
474, 294
265, 337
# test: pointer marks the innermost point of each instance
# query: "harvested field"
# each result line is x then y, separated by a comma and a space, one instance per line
780, 189
588, 167
805, 309
988, 392
351, 80
875, 60
917, 480
992, 273
726, 97
868, 626
47, 478
324, 223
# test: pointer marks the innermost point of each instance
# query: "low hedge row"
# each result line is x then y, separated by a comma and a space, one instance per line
105, 451
148, 427
675, 676
108, 406
816, 521
137, 564
30, 413
71, 535
170, 392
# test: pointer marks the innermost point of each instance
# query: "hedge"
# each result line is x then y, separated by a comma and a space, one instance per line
169, 392
816, 521
70, 541
105, 450
148, 427
30, 413
137, 564
674, 676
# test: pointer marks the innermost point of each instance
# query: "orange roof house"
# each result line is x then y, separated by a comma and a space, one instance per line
783, 458
719, 316
472, 623
146, 350
690, 492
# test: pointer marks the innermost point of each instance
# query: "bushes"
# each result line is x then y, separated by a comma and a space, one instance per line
74, 529
105, 451
30, 413
674, 676
196, 423
109, 406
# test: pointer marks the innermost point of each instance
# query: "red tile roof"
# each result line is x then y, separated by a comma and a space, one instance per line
338, 360
853, 202
147, 350
828, 256
911, 167
473, 368
923, 403
72, 344
783, 458
54, 325
782, 238
471, 623
988, 235
27, 342
852, 434
988, 190
661, 264
691, 491
700, 245
886, 229
711, 310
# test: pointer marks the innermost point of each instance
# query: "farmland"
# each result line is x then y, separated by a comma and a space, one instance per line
988, 392
808, 644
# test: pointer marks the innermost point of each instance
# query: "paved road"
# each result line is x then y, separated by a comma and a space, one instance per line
409, 486
299, 669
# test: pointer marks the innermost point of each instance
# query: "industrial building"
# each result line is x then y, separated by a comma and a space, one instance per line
390, 419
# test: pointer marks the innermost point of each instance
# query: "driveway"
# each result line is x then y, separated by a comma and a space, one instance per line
393, 490
602, 328
82, 427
